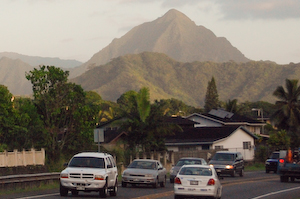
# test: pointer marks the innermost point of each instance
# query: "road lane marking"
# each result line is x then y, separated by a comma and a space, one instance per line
273, 193
46, 195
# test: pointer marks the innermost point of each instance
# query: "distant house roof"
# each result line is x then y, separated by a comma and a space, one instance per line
226, 118
183, 122
203, 135
112, 135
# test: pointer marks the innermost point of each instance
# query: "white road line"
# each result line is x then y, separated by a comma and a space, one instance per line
273, 193
46, 195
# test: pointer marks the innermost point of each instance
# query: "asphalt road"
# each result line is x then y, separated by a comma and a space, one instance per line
254, 185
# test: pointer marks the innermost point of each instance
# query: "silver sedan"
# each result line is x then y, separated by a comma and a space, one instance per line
145, 171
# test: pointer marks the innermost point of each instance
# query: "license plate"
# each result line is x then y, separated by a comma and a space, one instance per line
80, 188
203, 189
189, 189
193, 182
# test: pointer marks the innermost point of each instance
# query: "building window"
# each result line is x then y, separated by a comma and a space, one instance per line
219, 147
246, 145
187, 148
205, 147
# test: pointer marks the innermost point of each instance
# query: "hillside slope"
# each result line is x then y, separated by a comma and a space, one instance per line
167, 78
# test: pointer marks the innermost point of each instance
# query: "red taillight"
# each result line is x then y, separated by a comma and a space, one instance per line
211, 182
177, 180
281, 161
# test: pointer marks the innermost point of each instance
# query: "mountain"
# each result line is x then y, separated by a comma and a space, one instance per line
167, 78
36, 61
13, 76
173, 34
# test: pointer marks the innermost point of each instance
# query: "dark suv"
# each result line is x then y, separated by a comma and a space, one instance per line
227, 162
271, 163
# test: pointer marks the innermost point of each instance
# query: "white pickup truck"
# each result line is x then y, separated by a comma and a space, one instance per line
90, 172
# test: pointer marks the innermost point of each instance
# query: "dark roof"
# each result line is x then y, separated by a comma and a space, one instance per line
110, 135
180, 121
203, 134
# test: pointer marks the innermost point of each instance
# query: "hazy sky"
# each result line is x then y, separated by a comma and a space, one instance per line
77, 29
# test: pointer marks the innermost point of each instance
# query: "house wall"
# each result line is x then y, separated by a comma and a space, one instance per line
235, 143
204, 122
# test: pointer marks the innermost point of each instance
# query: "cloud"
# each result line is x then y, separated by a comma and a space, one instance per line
259, 9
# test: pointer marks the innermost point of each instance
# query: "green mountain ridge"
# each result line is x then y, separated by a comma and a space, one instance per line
186, 81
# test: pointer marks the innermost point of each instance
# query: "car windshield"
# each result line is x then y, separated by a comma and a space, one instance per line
188, 162
143, 165
90, 162
223, 157
274, 156
195, 171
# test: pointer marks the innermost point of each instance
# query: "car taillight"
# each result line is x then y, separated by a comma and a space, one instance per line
281, 161
177, 180
211, 182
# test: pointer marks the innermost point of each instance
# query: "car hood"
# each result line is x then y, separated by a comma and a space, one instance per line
217, 162
140, 171
84, 170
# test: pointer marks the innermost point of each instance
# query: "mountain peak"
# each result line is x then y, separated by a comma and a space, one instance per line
174, 14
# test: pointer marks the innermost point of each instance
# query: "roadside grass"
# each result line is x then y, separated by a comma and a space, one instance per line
257, 166
42, 186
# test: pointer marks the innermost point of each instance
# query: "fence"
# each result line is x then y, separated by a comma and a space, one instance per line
22, 158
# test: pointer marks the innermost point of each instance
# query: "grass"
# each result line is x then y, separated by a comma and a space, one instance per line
42, 186
258, 166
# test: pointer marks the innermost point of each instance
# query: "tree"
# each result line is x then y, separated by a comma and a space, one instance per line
287, 114
232, 106
67, 120
211, 97
279, 140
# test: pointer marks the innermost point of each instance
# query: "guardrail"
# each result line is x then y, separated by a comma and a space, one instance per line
27, 180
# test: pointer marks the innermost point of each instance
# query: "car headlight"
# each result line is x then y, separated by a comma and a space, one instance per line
267, 163
229, 167
64, 175
149, 175
99, 177
125, 174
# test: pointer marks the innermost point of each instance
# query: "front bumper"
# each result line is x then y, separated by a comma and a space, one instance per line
82, 185
138, 180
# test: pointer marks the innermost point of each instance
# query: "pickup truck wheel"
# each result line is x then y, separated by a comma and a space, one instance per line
104, 191
63, 190
115, 189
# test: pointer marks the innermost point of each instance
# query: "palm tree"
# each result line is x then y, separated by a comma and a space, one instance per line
287, 114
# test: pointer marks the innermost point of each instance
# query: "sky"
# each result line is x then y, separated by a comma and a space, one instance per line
77, 29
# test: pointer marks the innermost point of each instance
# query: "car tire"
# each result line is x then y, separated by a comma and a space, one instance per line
233, 173
124, 184
163, 183
103, 191
63, 190
155, 184
115, 189
241, 173
74, 193
177, 197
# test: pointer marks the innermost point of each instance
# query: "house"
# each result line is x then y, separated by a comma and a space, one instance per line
232, 138
220, 117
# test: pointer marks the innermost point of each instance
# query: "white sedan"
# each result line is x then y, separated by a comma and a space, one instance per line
197, 180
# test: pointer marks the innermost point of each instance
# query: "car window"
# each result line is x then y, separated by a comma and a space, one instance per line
223, 157
109, 164
195, 171
274, 156
143, 165
188, 162
112, 161
90, 162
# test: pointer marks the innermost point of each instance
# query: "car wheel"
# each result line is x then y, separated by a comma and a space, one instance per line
177, 197
115, 189
163, 183
63, 190
242, 173
233, 173
74, 193
104, 191
155, 184
124, 184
